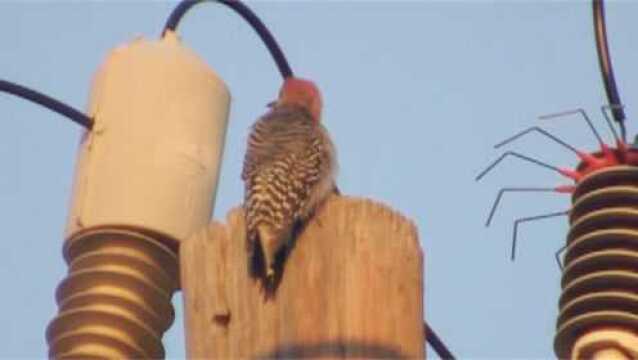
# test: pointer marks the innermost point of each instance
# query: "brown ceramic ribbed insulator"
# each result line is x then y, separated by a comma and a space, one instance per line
600, 277
116, 299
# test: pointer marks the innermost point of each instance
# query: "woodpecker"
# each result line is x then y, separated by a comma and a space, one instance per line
288, 171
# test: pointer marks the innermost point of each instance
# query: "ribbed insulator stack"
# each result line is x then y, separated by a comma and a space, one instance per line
116, 299
600, 276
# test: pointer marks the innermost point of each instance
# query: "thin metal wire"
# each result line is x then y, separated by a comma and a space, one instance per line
437, 344
531, 218
46, 101
608, 120
606, 69
557, 256
572, 112
248, 15
520, 156
543, 132
513, 189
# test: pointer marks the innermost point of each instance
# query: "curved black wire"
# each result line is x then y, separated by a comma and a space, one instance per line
437, 344
604, 60
46, 101
249, 16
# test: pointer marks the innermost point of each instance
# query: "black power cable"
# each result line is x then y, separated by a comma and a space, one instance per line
46, 101
249, 16
437, 344
174, 19
604, 60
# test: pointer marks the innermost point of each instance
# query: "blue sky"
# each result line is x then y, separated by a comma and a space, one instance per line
416, 93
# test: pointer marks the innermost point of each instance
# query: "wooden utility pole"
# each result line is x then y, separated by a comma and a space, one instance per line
352, 287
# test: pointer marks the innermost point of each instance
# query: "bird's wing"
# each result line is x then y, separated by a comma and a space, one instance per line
279, 133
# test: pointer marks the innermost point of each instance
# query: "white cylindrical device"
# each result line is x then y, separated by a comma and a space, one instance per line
153, 156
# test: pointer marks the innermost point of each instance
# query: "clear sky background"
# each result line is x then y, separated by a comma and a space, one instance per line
416, 93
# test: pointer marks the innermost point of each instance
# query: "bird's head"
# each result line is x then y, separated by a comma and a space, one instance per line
303, 93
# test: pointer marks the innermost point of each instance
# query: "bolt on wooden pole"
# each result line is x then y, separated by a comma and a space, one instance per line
352, 286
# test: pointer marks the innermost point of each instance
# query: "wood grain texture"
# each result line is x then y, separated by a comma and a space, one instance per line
352, 287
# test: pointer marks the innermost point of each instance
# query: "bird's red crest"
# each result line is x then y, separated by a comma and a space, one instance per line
303, 93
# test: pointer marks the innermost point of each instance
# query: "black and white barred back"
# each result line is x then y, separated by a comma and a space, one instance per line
288, 171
